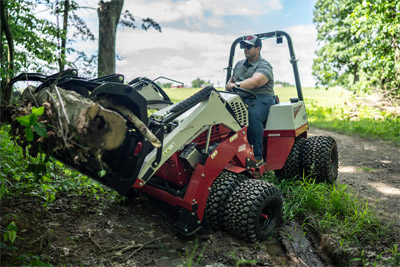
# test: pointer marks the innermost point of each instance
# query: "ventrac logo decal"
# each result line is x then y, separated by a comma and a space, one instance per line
296, 110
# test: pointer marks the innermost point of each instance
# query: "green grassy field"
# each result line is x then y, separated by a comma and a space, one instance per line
323, 97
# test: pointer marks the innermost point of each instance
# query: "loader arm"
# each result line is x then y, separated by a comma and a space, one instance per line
187, 125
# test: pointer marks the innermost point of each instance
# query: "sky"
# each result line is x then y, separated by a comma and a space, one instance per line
197, 35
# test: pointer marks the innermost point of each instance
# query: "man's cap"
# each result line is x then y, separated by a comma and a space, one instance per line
252, 40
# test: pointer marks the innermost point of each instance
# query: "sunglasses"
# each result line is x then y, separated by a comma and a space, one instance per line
247, 46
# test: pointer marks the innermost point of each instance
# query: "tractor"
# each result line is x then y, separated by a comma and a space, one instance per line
204, 166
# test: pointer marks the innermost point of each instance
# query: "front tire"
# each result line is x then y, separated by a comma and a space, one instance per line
254, 210
220, 191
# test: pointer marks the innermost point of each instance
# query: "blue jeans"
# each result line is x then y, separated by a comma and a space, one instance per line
258, 110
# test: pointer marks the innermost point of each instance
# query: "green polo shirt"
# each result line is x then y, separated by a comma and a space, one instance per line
244, 70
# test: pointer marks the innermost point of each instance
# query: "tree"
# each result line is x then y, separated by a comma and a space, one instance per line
377, 25
109, 14
32, 43
9, 67
109, 17
358, 45
198, 83
335, 63
61, 59
74, 24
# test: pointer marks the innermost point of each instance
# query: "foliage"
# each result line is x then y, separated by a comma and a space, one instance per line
75, 27
164, 85
334, 64
30, 123
129, 20
362, 120
285, 84
35, 38
199, 83
358, 45
10, 236
17, 177
377, 25
11, 233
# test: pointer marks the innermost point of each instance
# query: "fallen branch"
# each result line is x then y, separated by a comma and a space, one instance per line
94, 242
139, 248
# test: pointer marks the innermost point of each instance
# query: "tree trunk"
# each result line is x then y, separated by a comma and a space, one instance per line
2, 61
109, 14
356, 77
396, 61
61, 60
6, 91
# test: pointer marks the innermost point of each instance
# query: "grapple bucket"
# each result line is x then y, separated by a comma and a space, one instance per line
122, 164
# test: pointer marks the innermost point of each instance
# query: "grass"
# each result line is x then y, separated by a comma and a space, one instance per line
323, 97
365, 122
190, 256
337, 211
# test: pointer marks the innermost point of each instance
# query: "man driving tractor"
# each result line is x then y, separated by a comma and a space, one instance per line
254, 73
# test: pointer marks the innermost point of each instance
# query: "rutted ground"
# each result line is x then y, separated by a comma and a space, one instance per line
75, 231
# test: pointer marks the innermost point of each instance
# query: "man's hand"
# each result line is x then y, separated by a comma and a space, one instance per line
229, 86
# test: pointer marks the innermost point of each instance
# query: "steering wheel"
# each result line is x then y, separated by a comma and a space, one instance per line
249, 94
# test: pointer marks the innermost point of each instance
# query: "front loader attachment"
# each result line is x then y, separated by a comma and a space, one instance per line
129, 101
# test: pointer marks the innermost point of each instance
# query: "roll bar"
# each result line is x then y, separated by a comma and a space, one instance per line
279, 35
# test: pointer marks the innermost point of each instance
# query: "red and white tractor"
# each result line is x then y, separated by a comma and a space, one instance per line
205, 165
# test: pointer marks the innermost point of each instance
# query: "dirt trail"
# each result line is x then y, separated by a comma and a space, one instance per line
75, 231
372, 169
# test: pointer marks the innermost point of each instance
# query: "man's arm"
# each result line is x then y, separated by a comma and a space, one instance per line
257, 80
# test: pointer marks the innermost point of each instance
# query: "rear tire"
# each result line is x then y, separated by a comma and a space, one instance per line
254, 210
320, 158
220, 191
294, 163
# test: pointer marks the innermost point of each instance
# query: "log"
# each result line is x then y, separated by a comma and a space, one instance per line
81, 120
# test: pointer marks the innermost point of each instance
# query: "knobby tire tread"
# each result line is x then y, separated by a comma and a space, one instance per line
244, 210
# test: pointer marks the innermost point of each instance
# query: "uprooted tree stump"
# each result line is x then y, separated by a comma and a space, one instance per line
71, 119
76, 126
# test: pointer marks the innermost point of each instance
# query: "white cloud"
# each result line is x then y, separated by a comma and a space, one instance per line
200, 12
250, 7
186, 55
304, 39
178, 54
